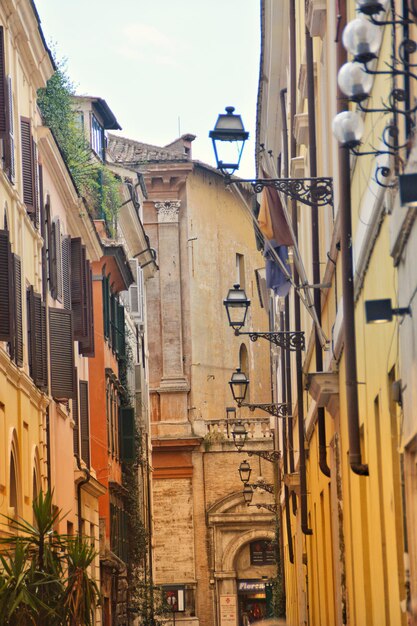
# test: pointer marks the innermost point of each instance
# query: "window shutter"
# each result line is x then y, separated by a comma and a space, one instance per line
75, 416
6, 294
56, 260
61, 354
127, 433
3, 96
84, 423
36, 182
113, 322
27, 165
49, 248
36, 315
106, 306
66, 272
17, 340
136, 292
87, 344
121, 341
9, 164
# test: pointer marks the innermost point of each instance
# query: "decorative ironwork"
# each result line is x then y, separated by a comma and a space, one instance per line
261, 484
273, 456
269, 507
278, 410
285, 340
311, 191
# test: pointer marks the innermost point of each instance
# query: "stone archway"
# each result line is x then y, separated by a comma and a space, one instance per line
234, 548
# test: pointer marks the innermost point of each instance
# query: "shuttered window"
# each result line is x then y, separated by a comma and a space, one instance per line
82, 297
106, 306
42, 217
28, 166
6, 294
16, 345
127, 434
120, 330
52, 278
8, 144
84, 422
37, 348
55, 260
66, 272
75, 416
3, 98
35, 215
87, 344
61, 354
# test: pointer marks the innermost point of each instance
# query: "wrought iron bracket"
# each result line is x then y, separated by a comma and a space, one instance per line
273, 457
278, 410
311, 191
285, 340
261, 484
269, 507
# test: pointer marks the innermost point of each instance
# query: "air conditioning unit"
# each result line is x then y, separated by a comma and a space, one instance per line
316, 17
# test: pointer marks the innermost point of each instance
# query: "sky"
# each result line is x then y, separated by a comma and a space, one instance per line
164, 67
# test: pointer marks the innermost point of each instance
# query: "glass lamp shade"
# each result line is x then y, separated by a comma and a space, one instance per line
354, 81
239, 385
247, 493
239, 435
372, 7
348, 128
245, 471
362, 39
237, 305
228, 137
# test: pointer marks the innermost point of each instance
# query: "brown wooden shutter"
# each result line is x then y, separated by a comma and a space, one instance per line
61, 344
28, 178
75, 416
17, 340
36, 182
55, 252
127, 434
3, 96
9, 164
36, 314
50, 248
42, 218
84, 423
6, 294
66, 272
77, 287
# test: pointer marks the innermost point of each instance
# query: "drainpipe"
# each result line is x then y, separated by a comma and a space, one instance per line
297, 315
289, 418
48, 449
285, 453
345, 208
79, 487
312, 152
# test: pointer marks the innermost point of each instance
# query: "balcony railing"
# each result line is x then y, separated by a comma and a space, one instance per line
258, 428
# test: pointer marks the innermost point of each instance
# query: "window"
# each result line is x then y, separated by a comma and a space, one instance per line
240, 270
36, 328
244, 360
262, 553
118, 528
13, 491
97, 137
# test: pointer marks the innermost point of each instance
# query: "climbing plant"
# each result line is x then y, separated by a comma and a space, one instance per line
93, 180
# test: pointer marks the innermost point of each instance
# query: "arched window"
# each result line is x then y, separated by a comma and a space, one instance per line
244, 360
6, 221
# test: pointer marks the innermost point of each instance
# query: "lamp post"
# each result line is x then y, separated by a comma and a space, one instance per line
237, 304
229, 135
239, 385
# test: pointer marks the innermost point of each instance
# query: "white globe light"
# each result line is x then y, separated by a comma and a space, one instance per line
354, 81
372, 7
348, 128
362, 39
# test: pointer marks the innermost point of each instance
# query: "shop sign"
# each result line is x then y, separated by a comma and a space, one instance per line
227, 610
251, 585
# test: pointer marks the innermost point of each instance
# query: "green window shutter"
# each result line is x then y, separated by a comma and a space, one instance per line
121, 339
61, 346
6, 293
84, 422
106, 306
127, 434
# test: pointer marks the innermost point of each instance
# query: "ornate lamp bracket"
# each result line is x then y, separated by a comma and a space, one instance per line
278, 410
311, 191
261, 484
285, 340
273, 457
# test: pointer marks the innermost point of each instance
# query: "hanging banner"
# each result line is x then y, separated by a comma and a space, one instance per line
227, 610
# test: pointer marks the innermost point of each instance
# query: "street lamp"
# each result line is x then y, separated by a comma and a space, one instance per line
239, 434
245, 471
237, 304
247, 493
228, 137
229, 130
239, 383
380, 311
